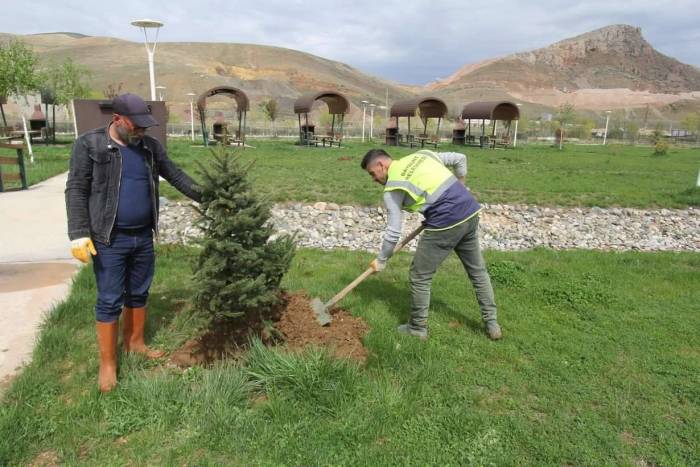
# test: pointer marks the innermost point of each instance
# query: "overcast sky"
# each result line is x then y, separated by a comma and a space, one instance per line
407, 41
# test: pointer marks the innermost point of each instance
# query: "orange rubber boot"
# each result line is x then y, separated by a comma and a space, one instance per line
107, 343
133, 326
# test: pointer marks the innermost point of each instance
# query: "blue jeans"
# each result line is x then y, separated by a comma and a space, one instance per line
124, 272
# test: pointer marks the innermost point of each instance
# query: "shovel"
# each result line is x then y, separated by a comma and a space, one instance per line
321, 309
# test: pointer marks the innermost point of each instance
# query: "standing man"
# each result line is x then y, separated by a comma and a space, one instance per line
423, 183
112, 203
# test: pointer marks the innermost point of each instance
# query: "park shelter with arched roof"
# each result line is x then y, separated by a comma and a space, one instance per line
492, 111
338, 106
426, 108
242, 107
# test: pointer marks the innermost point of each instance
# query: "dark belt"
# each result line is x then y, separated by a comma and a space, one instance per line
133, 232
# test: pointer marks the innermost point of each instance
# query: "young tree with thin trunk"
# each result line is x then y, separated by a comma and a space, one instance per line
68, 81
565, 115
112, 90
269, 108
18, 74
691, 122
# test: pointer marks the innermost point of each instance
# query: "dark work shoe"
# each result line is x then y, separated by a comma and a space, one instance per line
410, 331
494, 331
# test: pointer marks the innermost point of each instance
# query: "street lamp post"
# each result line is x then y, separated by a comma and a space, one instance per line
515, 136
371, 120
364, 113
384, 108
161, 93
607, 120
191, 95
146, 24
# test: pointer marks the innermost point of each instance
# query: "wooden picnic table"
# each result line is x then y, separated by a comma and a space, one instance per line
330, 139
19, 134
407, 140
502, 142
423, 140
11, 139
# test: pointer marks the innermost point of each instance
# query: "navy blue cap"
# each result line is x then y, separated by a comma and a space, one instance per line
132, 106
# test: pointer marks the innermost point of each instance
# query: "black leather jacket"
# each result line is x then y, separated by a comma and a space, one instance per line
92, 189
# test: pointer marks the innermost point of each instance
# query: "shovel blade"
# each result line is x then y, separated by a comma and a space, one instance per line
321, 312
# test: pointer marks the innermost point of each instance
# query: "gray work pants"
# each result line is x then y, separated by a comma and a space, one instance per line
433, 248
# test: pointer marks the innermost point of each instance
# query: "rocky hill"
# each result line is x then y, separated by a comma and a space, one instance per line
611, 67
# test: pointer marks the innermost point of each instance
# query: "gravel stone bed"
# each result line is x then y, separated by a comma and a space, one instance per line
502, 227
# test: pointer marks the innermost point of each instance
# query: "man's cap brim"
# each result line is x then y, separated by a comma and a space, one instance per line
143, 120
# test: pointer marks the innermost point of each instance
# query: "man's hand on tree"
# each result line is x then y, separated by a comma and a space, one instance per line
377, 265
82, 248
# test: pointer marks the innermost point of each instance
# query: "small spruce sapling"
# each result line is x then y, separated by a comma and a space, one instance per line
240, 266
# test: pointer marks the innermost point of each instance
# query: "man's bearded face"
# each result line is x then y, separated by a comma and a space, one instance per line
129, 133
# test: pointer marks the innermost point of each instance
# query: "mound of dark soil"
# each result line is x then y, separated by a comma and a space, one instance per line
292, 324
343, 335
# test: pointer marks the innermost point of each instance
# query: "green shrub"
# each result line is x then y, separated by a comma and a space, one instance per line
660, 147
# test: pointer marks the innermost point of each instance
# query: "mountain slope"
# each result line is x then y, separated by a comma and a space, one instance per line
609, 67
260, 71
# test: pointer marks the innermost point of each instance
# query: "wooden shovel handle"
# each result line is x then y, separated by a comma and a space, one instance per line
410, 237
340, 295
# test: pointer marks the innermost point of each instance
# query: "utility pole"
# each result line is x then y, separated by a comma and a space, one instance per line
191, 95
364, 113
515, 134
386, 106
646, 114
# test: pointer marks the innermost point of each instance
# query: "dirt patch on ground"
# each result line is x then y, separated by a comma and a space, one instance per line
45, 459
5, 383
16, 277
291, 324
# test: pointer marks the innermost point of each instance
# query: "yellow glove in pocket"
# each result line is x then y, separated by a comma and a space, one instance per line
82, 248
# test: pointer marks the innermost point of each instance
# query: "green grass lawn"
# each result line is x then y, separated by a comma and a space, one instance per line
577, 176
599, 366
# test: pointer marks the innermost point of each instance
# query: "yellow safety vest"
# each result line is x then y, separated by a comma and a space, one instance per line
423, 176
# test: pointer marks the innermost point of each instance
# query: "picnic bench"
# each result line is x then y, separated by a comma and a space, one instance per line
315, 140
502, 142
13, 176
222, 135
19, 134
417, 140
425, 139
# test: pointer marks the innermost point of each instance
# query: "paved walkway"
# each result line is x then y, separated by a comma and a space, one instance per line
36, 266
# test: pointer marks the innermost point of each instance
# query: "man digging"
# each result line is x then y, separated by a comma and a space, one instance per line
112, 205
423, 183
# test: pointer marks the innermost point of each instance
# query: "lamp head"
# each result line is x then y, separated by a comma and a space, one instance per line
147, 23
